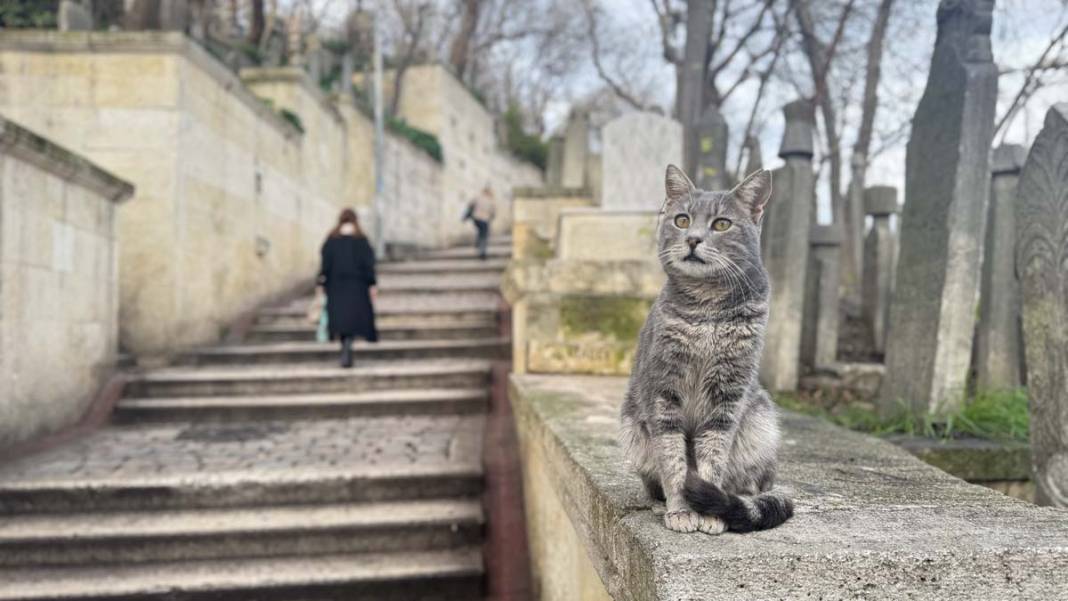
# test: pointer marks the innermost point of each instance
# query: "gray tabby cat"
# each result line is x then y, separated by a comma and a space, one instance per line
700, 431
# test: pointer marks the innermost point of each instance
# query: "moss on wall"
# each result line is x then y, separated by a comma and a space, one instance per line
613, 317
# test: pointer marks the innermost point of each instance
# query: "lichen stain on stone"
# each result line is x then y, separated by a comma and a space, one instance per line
617, 318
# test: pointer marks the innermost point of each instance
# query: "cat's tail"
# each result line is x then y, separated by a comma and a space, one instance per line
740, 513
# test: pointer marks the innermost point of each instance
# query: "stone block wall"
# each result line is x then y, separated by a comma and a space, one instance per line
433, 100
581, 284
227, 212
59, 280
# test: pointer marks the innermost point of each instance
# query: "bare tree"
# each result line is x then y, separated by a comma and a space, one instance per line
413, 18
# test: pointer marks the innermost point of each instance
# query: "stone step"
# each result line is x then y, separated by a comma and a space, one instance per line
446, 401
315, 352
203, 465
443, 267
400, 310
217, 382
494, 251
408, 330
425, 576
125, 537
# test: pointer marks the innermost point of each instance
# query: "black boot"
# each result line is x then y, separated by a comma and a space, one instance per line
346, 352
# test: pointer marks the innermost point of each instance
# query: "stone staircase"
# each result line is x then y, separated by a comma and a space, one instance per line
262, 471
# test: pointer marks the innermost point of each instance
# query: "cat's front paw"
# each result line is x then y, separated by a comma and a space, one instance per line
682, 521
710, 524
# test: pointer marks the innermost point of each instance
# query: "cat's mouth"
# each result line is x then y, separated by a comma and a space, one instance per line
692, 257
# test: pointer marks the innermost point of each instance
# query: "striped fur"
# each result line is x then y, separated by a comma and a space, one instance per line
700, 431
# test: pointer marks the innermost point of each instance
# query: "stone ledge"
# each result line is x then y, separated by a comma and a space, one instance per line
550, 192
872, 521
53, 158
295, 76
135, 42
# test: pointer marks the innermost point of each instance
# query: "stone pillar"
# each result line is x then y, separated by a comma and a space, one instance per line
1041, 240
295, 41
576, 145
947, 182
880, 254
819, 327
74, 16
712, 150
787, 248
555, 163
998, 350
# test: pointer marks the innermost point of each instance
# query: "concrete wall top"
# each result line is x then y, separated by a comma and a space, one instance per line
53, 158
105, 42
872, 521
292, 75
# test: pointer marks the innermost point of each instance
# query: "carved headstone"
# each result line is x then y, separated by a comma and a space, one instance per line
947, 183
711, 140
157, 15
998, 349
576, 146
755, 158
787, 247
555, 163
880, 255
636, 148
74, 16
1042, 265
819, 327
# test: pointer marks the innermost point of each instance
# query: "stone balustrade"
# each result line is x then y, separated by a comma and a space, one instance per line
872, 521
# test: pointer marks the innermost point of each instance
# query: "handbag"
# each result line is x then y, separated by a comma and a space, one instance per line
316, 306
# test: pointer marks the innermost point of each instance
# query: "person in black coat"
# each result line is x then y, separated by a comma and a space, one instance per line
348, 277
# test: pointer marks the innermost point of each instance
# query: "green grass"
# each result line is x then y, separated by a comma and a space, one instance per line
995, 415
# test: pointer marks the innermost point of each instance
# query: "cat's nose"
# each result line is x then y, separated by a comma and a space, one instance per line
693, 241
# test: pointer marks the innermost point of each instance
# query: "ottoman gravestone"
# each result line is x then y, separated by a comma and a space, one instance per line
711, 149
1042, 266
636, 148
880, 252
998, 351
947, 182
819, 328
785, 248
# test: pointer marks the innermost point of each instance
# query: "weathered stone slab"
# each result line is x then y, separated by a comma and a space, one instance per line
786, 249
872, 521
74, 16
711, 152
998, 355
636, 148
576, 147
880, 257
947, 173
1042, 263
555, 162
819, 327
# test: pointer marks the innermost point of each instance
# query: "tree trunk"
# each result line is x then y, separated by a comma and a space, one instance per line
854, 234
258, 22
461, 44
692, 77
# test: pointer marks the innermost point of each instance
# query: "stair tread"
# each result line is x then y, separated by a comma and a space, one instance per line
198, 457
423, 324
230, 521
443, 266
331, 398
236, 574
359, 345
419, 367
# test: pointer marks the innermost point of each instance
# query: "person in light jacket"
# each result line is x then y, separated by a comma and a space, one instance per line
348, 278
481, 211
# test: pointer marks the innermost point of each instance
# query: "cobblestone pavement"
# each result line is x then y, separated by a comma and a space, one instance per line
183, 450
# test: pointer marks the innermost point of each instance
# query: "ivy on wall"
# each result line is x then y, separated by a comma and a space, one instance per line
425, 141
526, 147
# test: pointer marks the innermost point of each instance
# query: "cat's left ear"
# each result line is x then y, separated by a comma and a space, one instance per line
753, 193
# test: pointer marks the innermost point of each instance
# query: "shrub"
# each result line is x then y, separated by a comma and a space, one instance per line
31, 14
522, 145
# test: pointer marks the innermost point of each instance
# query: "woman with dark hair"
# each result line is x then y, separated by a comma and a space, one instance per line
348, 277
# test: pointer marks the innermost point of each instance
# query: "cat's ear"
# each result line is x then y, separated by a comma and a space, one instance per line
677, 186
753, 193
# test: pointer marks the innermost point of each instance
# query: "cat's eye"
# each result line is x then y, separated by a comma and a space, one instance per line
682, 221
721, 225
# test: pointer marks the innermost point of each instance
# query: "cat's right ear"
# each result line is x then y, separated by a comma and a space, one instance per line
677, 186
